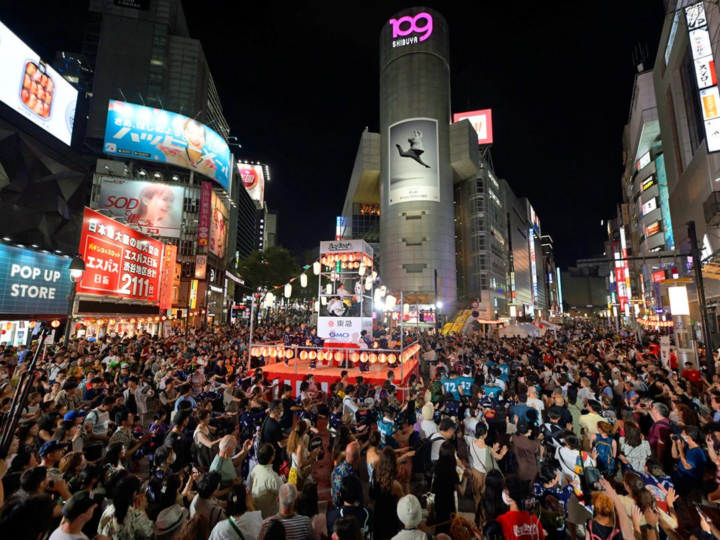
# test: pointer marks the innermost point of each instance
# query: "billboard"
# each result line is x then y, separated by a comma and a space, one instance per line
253, 178
33, 283
154, 207
218, 227
206, 195
481, 122
166, 280
166, 137
705, 76
414, 161
34, 89
119, 261
343, 329
649, 206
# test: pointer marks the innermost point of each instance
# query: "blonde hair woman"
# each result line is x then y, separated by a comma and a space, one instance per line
301, 458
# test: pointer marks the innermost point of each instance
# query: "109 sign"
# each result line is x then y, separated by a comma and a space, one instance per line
404, 26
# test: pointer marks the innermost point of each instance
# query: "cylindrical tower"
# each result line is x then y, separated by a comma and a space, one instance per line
417, 232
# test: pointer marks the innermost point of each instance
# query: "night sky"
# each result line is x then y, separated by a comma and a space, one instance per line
299, 83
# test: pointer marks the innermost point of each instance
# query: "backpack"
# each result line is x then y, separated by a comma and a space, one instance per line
605, 459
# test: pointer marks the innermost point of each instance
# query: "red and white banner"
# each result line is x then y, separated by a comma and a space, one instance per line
167, 278
119, 261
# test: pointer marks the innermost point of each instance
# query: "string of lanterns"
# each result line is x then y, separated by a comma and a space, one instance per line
275, 351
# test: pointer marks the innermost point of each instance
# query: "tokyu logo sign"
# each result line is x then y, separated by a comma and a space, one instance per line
340, 246
404, 28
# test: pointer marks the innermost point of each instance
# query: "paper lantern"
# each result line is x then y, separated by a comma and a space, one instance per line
344, 266
375, 344
303, 355
273, 353
374, 275
355, 357
344, 257
339, 357
383, 291
361, 269
390, 301
289, 354
266, 351
288, 290
303, 280
382, 357
317, 268
316, 306
329, 288
372, 358
364, 357
391, 358
323, 299
368, 284
351, 257
281, 353
312, 355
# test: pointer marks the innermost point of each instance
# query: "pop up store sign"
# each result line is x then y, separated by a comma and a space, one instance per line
33, 283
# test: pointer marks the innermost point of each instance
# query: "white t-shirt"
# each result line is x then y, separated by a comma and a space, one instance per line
349, 406
249, 524
58, 534
536, 404
428, 428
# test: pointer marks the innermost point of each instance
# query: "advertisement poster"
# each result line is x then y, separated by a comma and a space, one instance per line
414, 161
665, 351
33, 283
119, 261
165, 137
168, 271
205, 214
253, 178
34, 89
218, 230
200, 266
481, 122
154, 207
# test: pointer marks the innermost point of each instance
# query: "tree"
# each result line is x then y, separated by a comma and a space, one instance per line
268, 269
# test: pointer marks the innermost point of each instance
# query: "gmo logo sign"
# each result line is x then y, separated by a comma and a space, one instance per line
339, 335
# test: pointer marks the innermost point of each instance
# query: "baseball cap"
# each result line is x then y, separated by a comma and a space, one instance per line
409, 511
74, 415
51, 446
78, 504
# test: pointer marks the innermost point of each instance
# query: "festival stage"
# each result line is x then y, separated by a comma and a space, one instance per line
325, 376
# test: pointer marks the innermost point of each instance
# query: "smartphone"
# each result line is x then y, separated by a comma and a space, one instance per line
702, 514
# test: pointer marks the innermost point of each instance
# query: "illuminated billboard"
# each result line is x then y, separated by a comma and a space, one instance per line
219, 227
705, 76
153, 207
652, 229
166, 137
481, 122
253, 178
31, 87
414, 161
649, 206
119, 261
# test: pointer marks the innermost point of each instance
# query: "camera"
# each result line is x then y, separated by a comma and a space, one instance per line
675, 437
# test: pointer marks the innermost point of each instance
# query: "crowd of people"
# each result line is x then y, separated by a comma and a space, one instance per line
583, 433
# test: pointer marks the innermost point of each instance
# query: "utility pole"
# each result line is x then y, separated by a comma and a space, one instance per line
709, 359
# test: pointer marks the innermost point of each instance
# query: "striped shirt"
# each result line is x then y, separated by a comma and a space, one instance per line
297, 527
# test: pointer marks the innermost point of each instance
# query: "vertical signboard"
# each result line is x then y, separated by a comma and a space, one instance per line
206, 194
705, 74
193, 293
119, 261
665, 351
166, 281
414, 162
533, 263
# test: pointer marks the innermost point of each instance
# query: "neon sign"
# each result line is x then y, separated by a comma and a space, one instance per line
404, 26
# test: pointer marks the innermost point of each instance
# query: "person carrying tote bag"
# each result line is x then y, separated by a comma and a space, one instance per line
484, 459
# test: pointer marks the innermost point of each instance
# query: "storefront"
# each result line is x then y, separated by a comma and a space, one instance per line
34, 286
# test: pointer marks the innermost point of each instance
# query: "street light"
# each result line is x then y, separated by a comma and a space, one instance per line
77, 267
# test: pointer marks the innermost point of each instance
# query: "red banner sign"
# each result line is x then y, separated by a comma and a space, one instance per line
658, 276
119, 261
166, 281
205, 214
